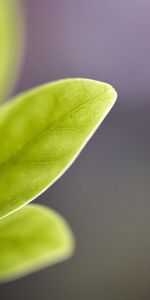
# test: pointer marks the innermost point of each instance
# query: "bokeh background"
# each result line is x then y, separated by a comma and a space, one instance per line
105, 194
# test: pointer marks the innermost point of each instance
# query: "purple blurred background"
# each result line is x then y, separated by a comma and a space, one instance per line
105, 194
102, 39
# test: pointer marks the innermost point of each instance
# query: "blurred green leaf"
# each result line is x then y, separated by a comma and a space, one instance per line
32, 238
43, 131
11, 44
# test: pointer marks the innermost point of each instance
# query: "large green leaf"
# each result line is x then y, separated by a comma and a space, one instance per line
11, 38
32, 238
43, 131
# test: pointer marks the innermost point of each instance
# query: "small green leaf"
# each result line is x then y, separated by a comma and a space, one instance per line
32, 238
11, 44
43, 131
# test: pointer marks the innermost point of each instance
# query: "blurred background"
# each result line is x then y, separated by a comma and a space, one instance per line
105, 194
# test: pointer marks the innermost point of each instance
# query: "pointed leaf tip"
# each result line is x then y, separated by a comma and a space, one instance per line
42, 132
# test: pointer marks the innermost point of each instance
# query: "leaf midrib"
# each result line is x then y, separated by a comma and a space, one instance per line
28, 144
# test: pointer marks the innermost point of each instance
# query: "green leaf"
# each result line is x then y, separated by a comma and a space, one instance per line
11, 44
43, 131
32, 238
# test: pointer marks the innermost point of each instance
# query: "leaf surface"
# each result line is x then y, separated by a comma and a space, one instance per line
32, 238
42, 132
11, 44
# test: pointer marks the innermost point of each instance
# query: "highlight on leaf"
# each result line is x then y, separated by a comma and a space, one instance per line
42, 132
11, 44
31, 239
